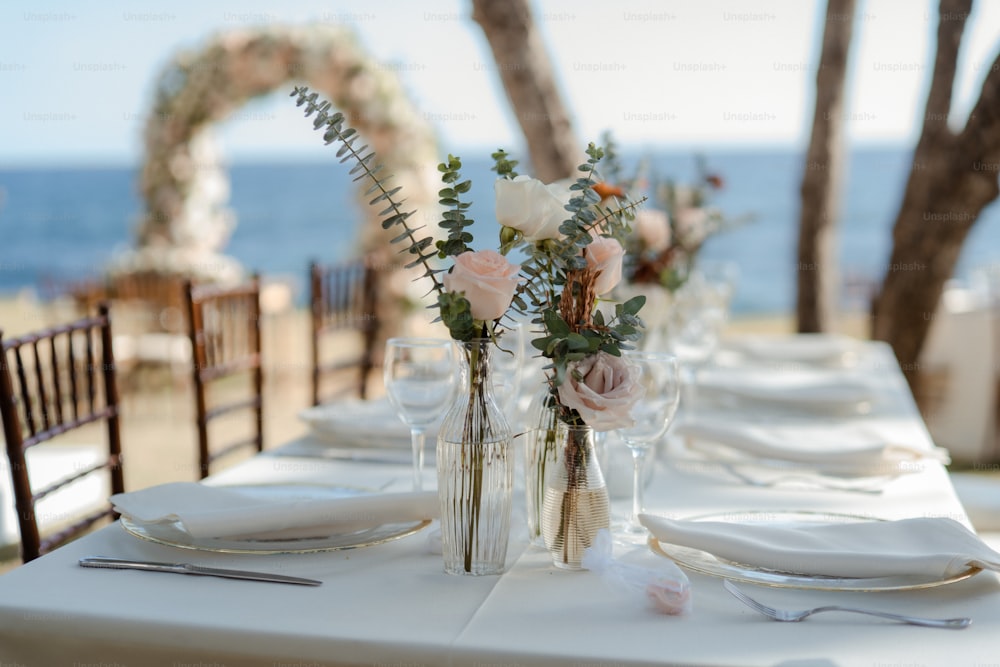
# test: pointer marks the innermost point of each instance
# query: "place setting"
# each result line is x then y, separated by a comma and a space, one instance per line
825, 551
847, 456
268, 519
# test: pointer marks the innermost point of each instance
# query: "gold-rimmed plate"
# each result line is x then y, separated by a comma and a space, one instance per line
172, 534
703, 562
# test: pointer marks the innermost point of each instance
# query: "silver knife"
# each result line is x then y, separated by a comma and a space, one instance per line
188, 568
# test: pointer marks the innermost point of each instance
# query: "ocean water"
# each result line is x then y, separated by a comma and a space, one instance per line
61, 224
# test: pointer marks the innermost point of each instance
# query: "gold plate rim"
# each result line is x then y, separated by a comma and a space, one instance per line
381, 534
705, 563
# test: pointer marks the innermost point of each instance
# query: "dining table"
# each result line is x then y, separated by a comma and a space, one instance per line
391, 604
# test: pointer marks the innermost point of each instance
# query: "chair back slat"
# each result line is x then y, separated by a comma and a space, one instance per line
224, 328
44, 402
342, 299
33, 412
56, 384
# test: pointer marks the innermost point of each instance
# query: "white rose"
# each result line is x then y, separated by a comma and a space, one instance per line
605, 393
653, 229
606, 255
532, 207
692, 226
488, 281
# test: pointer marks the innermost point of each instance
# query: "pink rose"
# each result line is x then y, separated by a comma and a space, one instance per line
532, 207
653, 229
602, 388
487, 279
605, 254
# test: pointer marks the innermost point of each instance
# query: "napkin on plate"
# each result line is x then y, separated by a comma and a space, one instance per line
846, 450
214, 512
357, 423
818, 349
796, 388
927, 546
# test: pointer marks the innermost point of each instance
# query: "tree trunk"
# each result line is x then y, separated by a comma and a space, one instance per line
954, 176
527, 77
817, 267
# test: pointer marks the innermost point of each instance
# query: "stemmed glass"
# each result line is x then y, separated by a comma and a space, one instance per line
660, 376
507, 362
694, 331
420, 378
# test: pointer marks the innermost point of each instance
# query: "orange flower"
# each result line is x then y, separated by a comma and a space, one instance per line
605, 190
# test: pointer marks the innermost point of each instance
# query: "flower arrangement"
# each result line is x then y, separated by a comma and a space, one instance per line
571, 234
572, 237
668, 236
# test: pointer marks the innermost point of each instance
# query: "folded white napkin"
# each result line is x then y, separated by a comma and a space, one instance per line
821, 349
357, 423
847, 450
214, 511
806, 388
927, 546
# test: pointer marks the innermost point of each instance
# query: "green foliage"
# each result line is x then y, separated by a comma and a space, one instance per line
367, 167
454, 220
456, 313
503, 166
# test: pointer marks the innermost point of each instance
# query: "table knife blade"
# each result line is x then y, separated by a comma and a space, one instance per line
188, 568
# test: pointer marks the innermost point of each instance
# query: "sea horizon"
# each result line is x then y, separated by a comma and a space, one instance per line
65, 222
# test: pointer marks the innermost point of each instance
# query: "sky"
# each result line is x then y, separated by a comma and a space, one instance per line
76, 78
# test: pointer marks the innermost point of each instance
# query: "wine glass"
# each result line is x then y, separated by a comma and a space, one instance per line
660, 376
694, 329
507, 371
420, 376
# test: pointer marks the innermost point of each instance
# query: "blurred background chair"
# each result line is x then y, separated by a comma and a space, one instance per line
342, 301
52, 382
150, 324
224, 331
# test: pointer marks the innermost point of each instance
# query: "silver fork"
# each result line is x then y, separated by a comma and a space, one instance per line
874, 488
790, 615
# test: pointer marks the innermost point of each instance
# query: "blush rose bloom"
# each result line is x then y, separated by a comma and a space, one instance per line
692, 226
653, 229
604, 396
487, 279
532, 207
606, 255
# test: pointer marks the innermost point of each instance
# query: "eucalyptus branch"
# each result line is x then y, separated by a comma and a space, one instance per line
365, 166
454, 220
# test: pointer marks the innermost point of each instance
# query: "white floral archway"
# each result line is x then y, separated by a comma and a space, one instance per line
187, 223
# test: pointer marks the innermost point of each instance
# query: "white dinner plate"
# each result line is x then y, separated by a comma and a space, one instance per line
172, 534
703, 562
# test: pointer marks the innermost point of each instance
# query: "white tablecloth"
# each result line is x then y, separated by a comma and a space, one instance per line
392, 604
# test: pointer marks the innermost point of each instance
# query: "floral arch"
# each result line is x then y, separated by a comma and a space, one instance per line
186, 222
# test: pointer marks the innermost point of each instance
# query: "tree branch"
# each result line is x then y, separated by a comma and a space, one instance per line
527, 77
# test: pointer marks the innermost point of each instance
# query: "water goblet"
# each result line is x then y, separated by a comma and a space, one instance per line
420, 377
507, 361
695, 328
659, 375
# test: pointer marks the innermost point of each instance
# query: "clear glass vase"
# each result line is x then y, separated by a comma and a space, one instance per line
576, 498
539, 458
475, 469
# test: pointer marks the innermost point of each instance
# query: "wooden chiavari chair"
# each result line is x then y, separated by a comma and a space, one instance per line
52, 382
342, 299
224, 329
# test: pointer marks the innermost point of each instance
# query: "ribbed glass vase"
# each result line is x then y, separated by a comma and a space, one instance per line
475, 469
539, 458
576, 498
